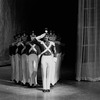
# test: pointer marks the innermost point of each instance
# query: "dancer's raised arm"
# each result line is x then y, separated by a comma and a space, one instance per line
40, 36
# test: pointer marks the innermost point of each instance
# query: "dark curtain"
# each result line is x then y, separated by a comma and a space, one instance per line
8, 27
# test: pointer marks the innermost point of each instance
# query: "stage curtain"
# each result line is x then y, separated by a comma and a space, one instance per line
7, 28
88, 59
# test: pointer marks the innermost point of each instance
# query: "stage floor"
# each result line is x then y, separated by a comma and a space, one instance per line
63, 90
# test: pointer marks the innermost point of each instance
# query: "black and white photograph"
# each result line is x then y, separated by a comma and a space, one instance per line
49, 50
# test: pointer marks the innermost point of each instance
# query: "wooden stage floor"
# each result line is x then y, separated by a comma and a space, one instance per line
63, 90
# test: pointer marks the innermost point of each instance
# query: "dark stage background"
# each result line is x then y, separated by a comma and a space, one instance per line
59, 16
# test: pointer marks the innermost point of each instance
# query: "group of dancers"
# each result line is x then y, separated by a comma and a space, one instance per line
26, 53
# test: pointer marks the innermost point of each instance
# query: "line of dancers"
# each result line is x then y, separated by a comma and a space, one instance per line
25, 57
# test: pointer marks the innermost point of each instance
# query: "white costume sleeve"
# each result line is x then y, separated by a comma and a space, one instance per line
40, 36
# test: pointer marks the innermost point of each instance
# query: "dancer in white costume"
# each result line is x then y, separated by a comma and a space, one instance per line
48, 52
57, 59
33, 52
12, 49
24, 60
19, 49
53, 79
17, 58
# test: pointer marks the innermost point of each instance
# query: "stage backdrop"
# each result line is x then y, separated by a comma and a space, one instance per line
8, 27
88, 65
